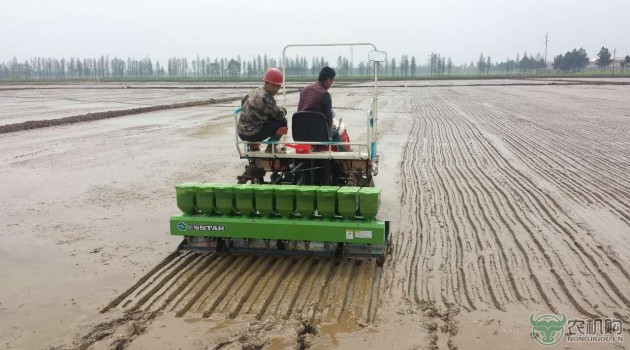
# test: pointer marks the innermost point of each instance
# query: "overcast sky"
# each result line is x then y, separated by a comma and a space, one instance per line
456, 28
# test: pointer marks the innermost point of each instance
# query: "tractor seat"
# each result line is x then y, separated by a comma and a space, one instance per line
309, 127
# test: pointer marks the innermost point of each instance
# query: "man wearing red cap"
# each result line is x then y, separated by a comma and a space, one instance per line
261, 118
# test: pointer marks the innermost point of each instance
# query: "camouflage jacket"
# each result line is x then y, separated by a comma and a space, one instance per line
257, 108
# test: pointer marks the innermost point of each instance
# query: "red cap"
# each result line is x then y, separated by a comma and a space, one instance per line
273, 76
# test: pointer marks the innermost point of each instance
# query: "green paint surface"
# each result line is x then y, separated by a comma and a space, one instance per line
369, 202
347, 201
305, 200
285, 199
186, 199
205, 198
327, 201
244, 199
358, 232
224, 197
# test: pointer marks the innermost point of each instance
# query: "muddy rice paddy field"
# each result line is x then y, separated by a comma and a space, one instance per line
504, 200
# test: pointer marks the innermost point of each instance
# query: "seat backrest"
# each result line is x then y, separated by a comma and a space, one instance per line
309, 127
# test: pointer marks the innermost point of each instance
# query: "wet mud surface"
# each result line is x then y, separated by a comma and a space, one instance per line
203, 284
48, 102
503, 200
36, 124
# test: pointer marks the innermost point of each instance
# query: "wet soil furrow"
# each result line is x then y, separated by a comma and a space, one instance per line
263, 271
311, 268
407, 245
287, 287
242, 285
223, 263
461, 168
178, 282
167, 279
563, 226
140, 282
350, 290
550, 217
335, 292
322, 279
247, 263
450, 217
454, 131
527, 229
571, 165
424, 207
315, 281
566, 172
36, 124
213, 262
372, 310
159, 275
358, 307
497, 210
277, 279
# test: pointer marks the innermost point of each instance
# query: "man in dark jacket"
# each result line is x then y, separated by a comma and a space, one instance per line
315, 97
261, 117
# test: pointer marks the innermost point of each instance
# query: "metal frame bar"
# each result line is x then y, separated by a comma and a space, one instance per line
372, 116
243, 152
378, 251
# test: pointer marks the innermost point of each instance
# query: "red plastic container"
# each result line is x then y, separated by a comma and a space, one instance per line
300, 149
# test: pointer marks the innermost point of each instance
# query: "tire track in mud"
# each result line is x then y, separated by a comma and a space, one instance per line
481, 233
302, 292
475, 228
572, 176
298, 292
551, 208
563, 226
588, 169
194, 284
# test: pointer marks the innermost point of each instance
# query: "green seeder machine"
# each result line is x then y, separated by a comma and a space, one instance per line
280, 219
315, 198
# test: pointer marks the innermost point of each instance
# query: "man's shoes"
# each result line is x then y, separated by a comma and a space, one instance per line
277, 150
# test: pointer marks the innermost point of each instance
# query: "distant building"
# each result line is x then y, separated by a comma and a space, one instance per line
592, 64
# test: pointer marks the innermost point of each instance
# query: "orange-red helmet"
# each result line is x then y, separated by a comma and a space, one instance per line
273, 76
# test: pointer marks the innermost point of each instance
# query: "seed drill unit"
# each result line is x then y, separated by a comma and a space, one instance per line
320, 198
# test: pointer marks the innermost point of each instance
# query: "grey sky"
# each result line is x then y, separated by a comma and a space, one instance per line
161, 29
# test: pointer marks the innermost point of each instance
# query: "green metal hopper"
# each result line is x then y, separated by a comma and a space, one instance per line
220, 216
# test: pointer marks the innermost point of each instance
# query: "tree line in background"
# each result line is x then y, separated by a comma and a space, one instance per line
104, 67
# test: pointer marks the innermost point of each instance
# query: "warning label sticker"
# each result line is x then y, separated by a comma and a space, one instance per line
363, 234
349, 234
